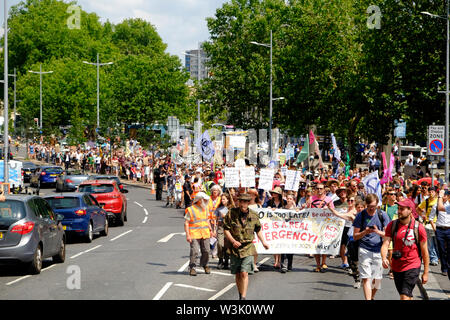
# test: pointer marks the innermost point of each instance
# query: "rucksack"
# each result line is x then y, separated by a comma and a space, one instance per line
363, 227
394, 229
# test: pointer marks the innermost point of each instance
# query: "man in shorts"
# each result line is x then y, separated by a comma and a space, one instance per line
406, 260
368, 229
243, 249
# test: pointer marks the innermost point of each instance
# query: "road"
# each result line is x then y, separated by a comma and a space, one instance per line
147, 259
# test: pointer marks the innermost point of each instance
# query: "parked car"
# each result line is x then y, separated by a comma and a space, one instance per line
28, 169
46, 175
83, 215
70, 181
30, 232
107, 177
109, 196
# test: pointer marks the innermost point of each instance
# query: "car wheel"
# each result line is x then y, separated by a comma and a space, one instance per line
90, 233
60, 257
36, 265
120, 220
104, 232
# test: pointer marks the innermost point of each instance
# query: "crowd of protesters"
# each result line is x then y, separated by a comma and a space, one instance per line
343, 192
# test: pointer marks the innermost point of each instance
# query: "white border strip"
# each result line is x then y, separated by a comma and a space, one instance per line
221, 292
162, 291
192, 287
120, 235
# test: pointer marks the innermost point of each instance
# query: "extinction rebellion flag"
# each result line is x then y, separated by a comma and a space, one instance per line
205, 146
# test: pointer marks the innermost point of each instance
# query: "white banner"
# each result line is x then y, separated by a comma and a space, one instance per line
237, 142
309, 231
231, 176
247, 177
266, 179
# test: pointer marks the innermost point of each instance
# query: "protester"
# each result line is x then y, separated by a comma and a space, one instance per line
220, 213
242, 249
368, 228
406, 260
424, 210
198, 229
442, 227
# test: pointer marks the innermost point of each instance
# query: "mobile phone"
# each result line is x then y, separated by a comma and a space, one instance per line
372, 227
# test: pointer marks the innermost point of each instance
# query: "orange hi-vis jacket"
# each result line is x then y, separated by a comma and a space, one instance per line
198, 223
212, 207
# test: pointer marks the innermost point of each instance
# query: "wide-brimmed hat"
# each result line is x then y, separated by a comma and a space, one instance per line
277, 190
200, 196
331, 181
245, 197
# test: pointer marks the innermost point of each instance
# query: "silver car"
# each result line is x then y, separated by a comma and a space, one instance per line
30, 232
70, 181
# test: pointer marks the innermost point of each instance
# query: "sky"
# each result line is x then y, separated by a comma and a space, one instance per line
180, 23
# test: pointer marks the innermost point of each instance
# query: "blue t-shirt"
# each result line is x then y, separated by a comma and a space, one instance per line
372, 241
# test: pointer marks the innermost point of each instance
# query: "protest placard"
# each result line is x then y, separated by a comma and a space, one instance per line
247, 176
292, 180
309, 231
266, 179
231, 176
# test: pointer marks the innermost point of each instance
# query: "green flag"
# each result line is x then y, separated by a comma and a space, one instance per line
304, 153
347, 166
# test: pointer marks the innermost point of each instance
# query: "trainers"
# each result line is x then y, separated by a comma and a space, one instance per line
192, 272
255, 268
283, 270
207, 270
220, 266
344, 266
357, 284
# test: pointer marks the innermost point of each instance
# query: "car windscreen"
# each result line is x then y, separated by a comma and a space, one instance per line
63, 202
11, 211
96, 188
53, 170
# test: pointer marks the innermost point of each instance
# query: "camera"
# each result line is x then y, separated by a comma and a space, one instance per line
396, 255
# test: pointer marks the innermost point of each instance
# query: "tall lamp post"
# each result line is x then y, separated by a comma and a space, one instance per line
98, 65
271, 99
40, 73
446, 17
5, 101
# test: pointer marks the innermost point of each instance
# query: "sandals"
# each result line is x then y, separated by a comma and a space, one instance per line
317, 269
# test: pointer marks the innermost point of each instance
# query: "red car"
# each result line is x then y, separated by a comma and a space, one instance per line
109, 196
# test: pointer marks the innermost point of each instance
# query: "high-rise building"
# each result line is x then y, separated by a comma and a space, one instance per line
191, 63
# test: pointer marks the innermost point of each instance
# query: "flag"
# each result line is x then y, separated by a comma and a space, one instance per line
372, 185
205, 146
337, 152
387, 171
312, 138
347, 166
304, 153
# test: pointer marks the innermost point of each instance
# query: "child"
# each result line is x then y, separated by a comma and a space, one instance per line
220, 214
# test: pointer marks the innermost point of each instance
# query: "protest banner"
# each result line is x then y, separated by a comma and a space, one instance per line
247, 176
237, 142
372, 185
266, 179
292, 180
231, 176
309, 231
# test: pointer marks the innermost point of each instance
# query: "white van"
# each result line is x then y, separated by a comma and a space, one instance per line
417, 152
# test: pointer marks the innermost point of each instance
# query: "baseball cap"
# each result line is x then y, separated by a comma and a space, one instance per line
406, 203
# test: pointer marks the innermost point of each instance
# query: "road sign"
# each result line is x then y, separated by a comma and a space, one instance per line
436, 136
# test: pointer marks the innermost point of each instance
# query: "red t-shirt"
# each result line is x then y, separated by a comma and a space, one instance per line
410, 255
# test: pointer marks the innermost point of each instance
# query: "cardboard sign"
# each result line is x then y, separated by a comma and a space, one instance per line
292, 180
266, 179
247, 176
231, 176
309, 231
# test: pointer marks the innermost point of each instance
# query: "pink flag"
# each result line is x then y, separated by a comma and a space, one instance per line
311, 137
387, 172
391, 167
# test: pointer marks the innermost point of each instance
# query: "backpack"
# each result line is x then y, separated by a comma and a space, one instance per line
363, 216
394, 230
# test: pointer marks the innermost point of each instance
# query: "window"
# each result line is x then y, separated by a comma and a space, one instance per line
11, 211
97, 188
63, 202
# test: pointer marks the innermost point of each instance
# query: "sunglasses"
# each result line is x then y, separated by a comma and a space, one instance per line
351, 200
320, 188
391, 194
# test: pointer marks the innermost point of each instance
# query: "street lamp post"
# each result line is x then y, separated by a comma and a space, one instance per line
446, 17
40, 73
271, 99
98, 65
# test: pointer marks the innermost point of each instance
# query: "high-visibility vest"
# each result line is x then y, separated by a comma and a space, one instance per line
198, 223
212, 207
196, 189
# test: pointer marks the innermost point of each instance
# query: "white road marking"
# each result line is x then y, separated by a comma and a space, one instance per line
145, 220
17, 280
214, 272
221, 292
146, 212
192, 287
120, 235
184, 266
262, 261
168, 237
140, 205
86, 251
162, 291
49, 267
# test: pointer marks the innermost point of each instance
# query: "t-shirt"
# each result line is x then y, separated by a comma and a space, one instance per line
391, 210
410, 255
371, 241
316, 202
427, 210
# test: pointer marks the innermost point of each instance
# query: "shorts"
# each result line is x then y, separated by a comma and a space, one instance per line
177, 196
171, 192
370, 264
344, 239
406, 281
242, 264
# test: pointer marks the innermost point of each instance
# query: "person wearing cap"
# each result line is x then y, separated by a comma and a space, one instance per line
424, 210
406, 262
187, 191
198, 232
333, 184
240, 226
442, 227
